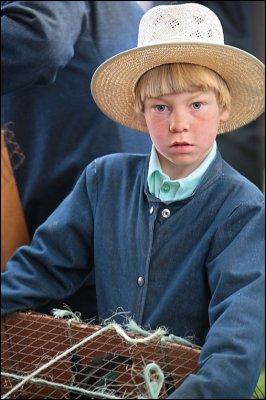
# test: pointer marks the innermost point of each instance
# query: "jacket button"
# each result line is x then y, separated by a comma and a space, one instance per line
166, 213
140, 281
151, 209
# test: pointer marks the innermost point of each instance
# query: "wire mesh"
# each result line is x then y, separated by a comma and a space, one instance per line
107, 365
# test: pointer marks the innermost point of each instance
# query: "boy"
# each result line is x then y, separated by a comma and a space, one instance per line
174, 238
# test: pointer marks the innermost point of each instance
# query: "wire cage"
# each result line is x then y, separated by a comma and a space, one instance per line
48, 358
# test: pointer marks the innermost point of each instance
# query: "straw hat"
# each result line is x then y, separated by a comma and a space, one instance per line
185, 33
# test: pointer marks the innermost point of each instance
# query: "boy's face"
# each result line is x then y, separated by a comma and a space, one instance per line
183, 128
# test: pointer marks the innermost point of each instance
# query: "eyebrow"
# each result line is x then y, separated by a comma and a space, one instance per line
194, 95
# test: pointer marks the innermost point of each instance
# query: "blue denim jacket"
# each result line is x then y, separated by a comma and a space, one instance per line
49, 52
195, 266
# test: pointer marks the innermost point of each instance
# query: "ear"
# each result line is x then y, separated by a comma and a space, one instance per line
224, 116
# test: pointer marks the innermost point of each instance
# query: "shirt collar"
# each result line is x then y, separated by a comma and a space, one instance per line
161, 186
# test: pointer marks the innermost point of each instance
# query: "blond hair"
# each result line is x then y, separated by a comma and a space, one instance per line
177, 78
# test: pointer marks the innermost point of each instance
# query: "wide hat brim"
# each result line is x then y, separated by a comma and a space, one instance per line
113, 83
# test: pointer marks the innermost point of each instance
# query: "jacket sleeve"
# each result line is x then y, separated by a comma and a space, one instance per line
59, 258
38, 38
233, 353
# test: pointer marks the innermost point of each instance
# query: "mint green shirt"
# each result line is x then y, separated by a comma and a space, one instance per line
161, 186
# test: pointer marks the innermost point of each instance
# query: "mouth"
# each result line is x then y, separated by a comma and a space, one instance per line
181, 147
180, 144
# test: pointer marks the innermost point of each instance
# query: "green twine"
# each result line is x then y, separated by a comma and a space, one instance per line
154, 379
152, 373
70, 315
133, 327
179, 340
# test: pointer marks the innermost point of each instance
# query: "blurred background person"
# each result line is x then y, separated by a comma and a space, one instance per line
50, 49
244, 27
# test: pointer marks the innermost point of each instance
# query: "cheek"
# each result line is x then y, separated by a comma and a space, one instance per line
156, 123
158, 131
210, 124
151, 124
205, 131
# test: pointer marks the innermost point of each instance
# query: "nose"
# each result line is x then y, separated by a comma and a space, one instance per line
178, 122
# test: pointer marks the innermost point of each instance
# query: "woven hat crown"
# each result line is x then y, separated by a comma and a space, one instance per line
187, 23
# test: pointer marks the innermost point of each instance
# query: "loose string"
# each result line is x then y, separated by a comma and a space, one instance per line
152, 370
55, 385
116, 327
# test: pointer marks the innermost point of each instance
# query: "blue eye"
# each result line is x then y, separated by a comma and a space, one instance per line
160, 107
197, 105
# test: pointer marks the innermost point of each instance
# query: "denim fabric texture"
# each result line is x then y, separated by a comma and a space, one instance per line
49, 52
195, 266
